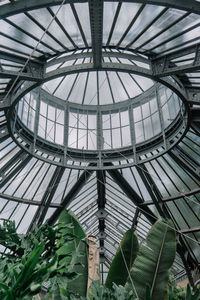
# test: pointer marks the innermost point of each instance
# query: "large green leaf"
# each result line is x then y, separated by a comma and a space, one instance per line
192, 296
123, 260
69, 226
79, 265
152, 264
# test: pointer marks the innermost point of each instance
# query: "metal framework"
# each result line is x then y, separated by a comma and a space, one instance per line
116, 69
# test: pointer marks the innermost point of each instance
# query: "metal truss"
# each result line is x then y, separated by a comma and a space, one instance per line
26, 5
40, 77
163, 66
71, 194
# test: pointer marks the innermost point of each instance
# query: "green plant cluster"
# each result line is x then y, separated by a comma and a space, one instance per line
30, 260
58, 255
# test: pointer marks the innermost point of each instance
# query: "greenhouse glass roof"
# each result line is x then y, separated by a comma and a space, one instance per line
99, 113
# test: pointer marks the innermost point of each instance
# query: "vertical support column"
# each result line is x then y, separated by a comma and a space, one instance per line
99, 138
161, 117
66, 132
132, 132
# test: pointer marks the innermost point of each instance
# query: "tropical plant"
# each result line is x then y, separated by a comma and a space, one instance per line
155, 257
31, 259
175, 292
59, 255
123, 260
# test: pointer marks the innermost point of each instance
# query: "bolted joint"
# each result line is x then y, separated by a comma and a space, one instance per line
101, 214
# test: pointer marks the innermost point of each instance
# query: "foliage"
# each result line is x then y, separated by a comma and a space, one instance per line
66, 247
39, 257
79, 265
190, 295
175, 292
151, 267
124, 258
34, 258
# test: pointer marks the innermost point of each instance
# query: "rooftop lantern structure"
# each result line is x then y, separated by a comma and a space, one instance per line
99, 113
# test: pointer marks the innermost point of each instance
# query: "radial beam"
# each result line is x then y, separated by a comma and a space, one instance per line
27, 5
70, 196
47, 198
163, 66
131, 194
153, 191
101, 214
186, 161
21, 159
96, 24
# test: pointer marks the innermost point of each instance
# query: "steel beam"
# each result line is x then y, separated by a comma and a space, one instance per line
18, 59
3, 133
20, 75
25, 201
131, 194
47, 197
190, 230
24, 158
77, 56
174, 198
27, 5
176, 54
193, 95
101, 201
186, 161
164, 69
163, 66
96, 23
5, 101
71, 195
128, 68
153, 191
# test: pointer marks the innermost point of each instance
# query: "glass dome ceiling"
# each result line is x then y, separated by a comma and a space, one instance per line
99, 112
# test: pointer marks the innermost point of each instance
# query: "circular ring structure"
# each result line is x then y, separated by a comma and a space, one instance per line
126, 132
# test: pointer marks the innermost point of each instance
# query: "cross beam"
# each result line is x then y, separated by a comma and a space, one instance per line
163, 66
36, 76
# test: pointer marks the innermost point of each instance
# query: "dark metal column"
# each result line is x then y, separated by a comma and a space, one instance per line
131, 194
21, 159
96, 22
101, 214
70, 196
153, 191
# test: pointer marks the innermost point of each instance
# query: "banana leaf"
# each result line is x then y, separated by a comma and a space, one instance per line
79, 265
190, 296
69, 226
152, 264
124, 258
